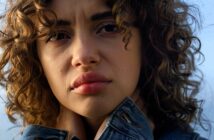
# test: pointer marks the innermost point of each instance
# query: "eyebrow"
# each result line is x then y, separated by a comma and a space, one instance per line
95, 17
100, 16
62, 22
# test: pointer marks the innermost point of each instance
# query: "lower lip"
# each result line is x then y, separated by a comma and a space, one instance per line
91, 88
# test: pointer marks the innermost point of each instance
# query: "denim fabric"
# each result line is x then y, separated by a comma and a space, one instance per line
37, 132
181, 135
126, 122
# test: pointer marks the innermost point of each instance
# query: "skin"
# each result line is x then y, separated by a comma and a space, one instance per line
83, 46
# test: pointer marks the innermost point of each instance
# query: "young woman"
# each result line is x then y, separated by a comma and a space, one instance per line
101, 69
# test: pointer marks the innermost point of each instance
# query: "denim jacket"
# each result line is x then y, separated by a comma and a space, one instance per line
127, 122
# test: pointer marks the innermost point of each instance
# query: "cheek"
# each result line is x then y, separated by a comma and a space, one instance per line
126, 68
133, 70
133, 63
51, 69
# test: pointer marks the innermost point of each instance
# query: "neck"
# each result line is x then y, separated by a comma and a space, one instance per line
92, 126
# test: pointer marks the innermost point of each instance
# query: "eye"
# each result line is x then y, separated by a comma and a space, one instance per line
58, 36
108, 28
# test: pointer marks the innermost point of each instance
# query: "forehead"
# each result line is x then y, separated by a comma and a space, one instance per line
69, 8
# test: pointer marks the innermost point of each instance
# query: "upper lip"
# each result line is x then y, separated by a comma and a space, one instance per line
89, 78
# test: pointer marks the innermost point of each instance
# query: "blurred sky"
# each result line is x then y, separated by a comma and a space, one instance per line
207, 89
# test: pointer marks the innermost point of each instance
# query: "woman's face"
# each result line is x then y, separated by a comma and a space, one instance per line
85, 61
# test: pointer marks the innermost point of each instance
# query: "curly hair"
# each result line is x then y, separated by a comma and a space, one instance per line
167, 84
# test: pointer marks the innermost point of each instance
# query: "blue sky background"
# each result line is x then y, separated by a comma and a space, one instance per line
206, 34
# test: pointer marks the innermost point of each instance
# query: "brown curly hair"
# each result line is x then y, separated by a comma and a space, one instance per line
167, 82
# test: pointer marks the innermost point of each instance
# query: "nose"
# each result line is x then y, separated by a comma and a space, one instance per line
85, 53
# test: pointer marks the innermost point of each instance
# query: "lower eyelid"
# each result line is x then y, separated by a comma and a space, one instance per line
68, 36
101, 26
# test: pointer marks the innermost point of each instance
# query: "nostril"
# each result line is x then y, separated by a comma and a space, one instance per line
84, 61
93, 61
77, 64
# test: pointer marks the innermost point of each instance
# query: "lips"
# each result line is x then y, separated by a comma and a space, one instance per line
89, 83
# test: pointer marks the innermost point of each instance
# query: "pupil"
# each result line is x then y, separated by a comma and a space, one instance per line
110, 28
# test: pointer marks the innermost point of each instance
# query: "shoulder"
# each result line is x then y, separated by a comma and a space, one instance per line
178, 134
33, 132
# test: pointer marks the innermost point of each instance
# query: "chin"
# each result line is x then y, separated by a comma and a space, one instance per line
98, 111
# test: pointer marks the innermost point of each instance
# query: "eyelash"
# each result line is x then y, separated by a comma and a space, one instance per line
106, 26
102, 29
58, 35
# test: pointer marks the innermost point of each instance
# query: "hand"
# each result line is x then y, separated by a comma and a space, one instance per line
71, 122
